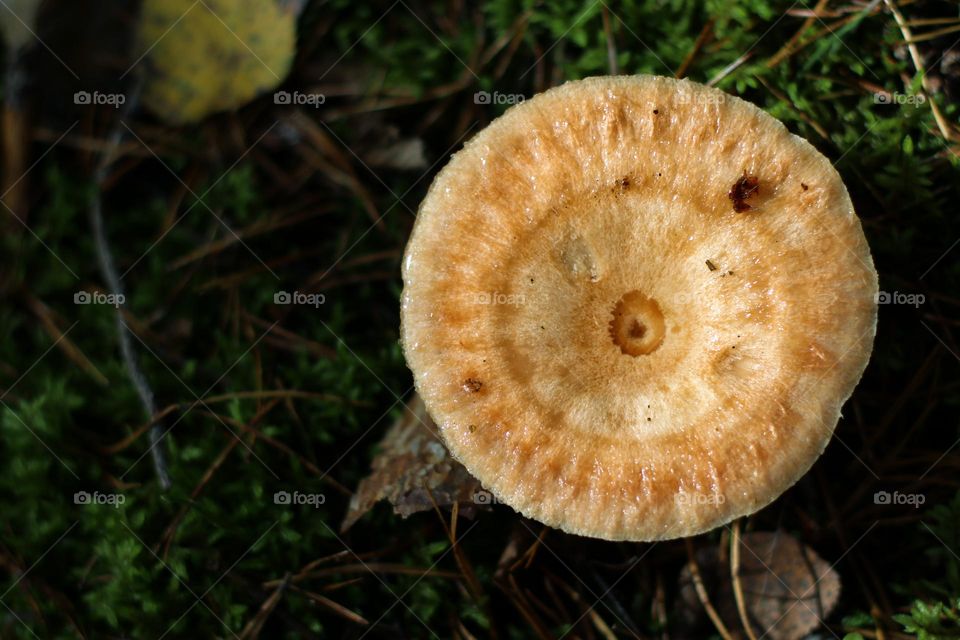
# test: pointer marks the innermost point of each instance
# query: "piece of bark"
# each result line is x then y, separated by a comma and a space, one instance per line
412, 465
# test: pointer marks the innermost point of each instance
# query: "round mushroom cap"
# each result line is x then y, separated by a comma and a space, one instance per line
635, 305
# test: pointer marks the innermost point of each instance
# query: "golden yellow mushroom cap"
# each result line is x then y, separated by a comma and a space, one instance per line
635, 305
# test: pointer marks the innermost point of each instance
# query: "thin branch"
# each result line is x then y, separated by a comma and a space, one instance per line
108, 271
702, 593
735, 577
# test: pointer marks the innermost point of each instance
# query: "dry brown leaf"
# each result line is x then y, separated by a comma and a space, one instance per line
787, 588
412, 465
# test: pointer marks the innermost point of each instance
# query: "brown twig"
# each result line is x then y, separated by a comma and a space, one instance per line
71, 350
702, 592
253, 628
336, 607
469, 575
735, 577
375, 567
522, 604
730, 68
612, 66
706, 34
787, 49
930, 35
803, 116
117, 447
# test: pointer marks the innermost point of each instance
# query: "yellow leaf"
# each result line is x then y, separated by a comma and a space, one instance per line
17, 19
206, 56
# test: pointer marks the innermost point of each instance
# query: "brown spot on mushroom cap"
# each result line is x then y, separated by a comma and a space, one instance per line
742, 190
563, 435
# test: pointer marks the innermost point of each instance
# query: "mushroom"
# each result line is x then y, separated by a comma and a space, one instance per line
609, 344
